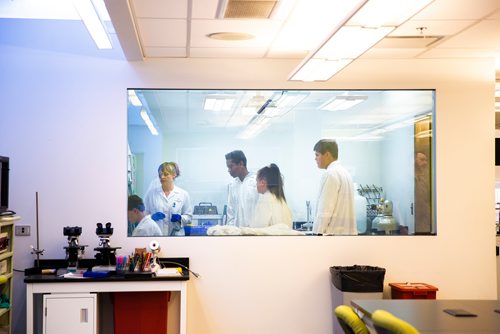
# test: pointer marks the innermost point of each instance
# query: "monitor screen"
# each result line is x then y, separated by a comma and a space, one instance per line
497, 151
4, 183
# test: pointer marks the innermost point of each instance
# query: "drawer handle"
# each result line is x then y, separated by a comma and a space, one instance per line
84, 315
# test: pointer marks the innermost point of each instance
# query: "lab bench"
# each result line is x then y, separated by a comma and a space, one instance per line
86, 290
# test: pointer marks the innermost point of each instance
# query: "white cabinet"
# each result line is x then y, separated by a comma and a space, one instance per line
70, 313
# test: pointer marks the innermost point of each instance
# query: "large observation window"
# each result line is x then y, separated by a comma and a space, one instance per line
385, 140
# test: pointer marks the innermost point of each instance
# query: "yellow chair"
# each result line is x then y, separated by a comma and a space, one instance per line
386, 323
350, 322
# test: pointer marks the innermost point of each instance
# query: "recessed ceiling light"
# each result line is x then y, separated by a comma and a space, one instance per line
230, 36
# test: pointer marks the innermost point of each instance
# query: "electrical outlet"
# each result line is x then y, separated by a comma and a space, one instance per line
23, 230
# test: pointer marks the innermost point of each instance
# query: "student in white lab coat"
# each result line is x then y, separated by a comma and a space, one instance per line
271, 206
242, 191
144, 225
169, 205
335, 212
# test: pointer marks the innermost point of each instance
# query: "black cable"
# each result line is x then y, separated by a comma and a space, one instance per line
180, 265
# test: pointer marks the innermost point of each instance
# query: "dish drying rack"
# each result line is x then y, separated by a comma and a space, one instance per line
373, 194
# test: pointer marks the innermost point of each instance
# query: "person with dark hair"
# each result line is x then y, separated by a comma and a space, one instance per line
335, 207
242, 191
168, 204
271, 206
144, 225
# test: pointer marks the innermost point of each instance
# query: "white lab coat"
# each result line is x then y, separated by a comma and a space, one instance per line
271, 211
241, 201
335, 212
177, 202
147, 227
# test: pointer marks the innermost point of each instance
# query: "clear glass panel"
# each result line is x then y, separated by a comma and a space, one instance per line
384, 137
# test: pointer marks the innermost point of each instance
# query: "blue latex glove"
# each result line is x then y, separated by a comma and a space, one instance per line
158, 216
175, 218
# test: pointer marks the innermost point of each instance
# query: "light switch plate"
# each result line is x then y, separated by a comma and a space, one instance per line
23, 230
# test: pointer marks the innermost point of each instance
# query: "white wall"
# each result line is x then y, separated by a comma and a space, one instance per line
63, 123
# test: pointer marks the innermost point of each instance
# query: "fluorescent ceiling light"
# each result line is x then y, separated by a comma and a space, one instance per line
357, 33
88, 13
377, 13
342, 102
218, 103
149, 123
351, 42
275, 106
256, 126
311, 22
319, 69
132, 97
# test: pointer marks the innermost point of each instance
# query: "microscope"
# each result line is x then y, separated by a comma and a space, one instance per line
74, 250
105, 255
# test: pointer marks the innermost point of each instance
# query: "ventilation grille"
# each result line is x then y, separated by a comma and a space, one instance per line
247, 9
408, 41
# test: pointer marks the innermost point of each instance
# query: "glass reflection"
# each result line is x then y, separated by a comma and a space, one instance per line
379, 133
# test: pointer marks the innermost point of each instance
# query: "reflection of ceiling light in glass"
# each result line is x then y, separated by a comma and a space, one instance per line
256, 125
149, 123
132, 97
218, 103
342, 102
90, 18
424, 134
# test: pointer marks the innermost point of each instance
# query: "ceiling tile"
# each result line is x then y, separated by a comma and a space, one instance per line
458, 10
292, 54
204, 9
433, 27
164, 52
457, 53
164, 33
263, 30
485, 34
392, 53
227, 52
166, 9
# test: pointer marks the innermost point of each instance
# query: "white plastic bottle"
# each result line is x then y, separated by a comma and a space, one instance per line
360, 204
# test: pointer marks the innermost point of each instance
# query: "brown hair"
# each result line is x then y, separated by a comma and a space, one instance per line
272, 175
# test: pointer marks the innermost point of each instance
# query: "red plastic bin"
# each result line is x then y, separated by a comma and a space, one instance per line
412, 291
140, 312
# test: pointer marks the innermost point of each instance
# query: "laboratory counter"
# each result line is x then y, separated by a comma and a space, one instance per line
40, 285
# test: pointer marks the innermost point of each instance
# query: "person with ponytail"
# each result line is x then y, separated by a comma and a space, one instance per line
271, 208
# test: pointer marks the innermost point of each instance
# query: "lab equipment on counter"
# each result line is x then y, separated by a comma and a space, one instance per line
360, 204
74, 250
206, 214
373, 195
155, 249
387, 223
106, 255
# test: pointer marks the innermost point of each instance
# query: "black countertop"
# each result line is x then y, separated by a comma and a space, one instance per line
33, 275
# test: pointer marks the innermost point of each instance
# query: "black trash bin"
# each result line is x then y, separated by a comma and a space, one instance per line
355, 282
